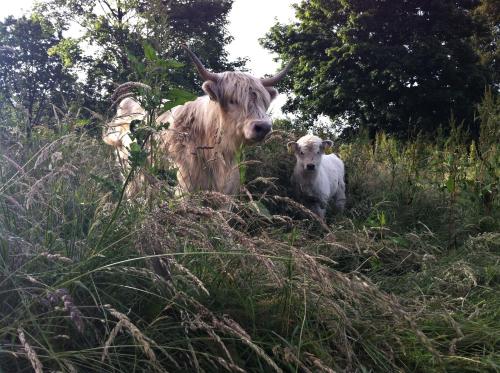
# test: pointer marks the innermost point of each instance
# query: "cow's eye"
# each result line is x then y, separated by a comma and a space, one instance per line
301, 153
232, 102
318, 152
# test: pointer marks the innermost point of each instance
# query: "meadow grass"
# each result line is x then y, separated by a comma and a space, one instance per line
406, 280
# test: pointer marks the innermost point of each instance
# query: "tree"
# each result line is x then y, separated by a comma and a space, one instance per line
30, 79
201, 24
400, 66
117, 31
487, 37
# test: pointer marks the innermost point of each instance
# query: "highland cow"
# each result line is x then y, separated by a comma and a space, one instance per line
204, 135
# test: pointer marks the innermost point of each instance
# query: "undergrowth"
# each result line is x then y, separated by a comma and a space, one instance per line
406, 280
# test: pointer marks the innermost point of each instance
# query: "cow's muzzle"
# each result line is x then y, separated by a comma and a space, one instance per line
260, 129
310, 167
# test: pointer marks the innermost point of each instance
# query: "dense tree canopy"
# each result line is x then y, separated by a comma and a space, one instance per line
116, 31
201, 24
487, 38
401, 66
31, 80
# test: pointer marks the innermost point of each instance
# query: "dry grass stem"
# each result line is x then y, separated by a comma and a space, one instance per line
30, 352
139, 337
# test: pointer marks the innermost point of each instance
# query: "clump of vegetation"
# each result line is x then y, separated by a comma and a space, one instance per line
406, 280
365, 72
226, 289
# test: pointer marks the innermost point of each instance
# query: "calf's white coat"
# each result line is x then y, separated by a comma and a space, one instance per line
317, 177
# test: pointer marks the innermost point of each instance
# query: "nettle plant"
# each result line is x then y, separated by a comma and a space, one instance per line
470, 169
156, 94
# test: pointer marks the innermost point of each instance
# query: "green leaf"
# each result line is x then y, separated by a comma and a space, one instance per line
382, 219
450, 184
170, 64
375, 263
150, 53
177, 96
138, 156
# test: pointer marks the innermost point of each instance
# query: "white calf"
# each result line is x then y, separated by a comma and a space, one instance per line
317, 177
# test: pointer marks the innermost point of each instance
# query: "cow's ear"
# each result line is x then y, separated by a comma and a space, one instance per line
327, 146
211, 89
272, 92
292, 147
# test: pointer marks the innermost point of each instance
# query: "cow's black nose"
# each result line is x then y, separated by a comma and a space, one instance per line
311, 167
261, 129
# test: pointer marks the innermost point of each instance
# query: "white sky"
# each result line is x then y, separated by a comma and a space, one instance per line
15, 8
249, 20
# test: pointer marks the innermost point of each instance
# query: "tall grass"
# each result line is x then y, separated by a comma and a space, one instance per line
406, 280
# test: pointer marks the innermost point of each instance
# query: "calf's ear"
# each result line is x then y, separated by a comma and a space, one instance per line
211, 89
292, 147
327, 146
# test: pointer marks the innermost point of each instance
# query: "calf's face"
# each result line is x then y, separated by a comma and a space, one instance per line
309, 151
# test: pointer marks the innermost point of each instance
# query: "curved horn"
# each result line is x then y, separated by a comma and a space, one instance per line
269, 82
204, 73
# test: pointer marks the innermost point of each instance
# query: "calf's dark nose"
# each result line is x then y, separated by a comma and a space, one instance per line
311, 167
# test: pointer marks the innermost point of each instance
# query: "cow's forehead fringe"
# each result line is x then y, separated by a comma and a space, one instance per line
309, 142
231, 77
237, 84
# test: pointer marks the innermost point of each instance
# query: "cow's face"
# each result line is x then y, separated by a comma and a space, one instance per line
244, 102
243, 99
309, 151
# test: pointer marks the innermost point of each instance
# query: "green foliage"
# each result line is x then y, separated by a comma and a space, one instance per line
118, 30
159, 74
242, 167
403, 68
406, 280
204, 24
31, 79
487, 38
91, 282
156, 94
68, 51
